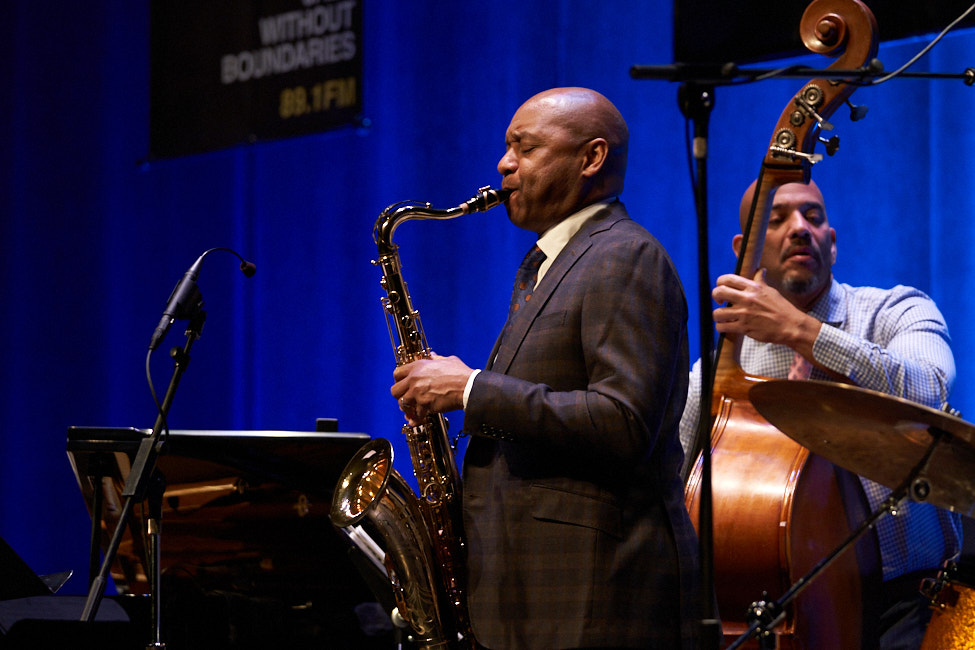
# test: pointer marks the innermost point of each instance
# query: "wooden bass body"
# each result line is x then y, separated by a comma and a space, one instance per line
778, 510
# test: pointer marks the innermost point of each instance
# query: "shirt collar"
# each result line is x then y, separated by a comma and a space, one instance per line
555, 238
831, 306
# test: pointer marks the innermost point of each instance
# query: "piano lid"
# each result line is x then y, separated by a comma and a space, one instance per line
306, 460
244, 511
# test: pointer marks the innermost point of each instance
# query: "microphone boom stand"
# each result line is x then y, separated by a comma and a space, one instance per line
696, 102
144, 476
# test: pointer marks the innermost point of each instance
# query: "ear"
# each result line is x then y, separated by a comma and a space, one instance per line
832, 248
736, 243
595, 152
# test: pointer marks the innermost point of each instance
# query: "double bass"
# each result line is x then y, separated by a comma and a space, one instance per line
777, 508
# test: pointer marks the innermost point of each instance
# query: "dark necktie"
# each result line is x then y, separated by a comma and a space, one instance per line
525, 279
524, 282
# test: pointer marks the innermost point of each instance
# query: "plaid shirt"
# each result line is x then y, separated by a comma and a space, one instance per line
893, 341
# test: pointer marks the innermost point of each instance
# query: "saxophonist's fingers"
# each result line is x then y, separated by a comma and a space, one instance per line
409, 410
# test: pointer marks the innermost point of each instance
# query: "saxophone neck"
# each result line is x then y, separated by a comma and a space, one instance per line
389, 220
394, 215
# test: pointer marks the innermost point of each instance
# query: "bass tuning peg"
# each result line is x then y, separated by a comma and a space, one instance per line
857, 112
832, 145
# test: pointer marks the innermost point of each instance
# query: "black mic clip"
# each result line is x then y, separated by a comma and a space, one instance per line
186, 301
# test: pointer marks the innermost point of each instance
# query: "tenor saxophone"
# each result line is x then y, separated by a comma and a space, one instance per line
421, 535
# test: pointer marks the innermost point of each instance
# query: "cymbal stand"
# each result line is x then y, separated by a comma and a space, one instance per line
144, 478
765, 615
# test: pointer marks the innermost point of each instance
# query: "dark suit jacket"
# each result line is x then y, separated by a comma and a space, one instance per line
573, 505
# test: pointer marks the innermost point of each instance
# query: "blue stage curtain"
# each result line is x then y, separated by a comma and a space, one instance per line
95, 236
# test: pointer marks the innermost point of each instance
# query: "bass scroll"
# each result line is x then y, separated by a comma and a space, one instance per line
421, 535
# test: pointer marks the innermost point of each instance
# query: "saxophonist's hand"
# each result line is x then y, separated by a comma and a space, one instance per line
433, 385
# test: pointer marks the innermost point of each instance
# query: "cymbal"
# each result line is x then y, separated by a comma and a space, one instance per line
876, 436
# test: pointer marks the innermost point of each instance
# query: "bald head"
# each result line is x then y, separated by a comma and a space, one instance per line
588, 115
744, 208
565, 149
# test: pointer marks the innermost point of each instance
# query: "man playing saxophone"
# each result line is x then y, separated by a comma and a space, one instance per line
576, 530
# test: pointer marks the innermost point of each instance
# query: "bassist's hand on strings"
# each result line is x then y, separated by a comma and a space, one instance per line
428, 386
752, 308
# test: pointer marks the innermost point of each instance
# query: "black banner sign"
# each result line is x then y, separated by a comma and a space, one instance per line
225, 72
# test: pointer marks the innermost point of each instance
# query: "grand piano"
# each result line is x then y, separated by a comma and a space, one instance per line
249, 557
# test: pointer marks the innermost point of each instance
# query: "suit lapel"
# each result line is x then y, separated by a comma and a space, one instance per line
505, 350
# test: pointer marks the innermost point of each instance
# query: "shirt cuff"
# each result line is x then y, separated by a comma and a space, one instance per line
835, 349
470, 384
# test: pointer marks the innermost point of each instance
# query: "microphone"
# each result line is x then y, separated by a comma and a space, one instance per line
185, 300
693, 72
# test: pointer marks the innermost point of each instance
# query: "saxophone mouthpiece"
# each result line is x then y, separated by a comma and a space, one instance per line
486, 198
